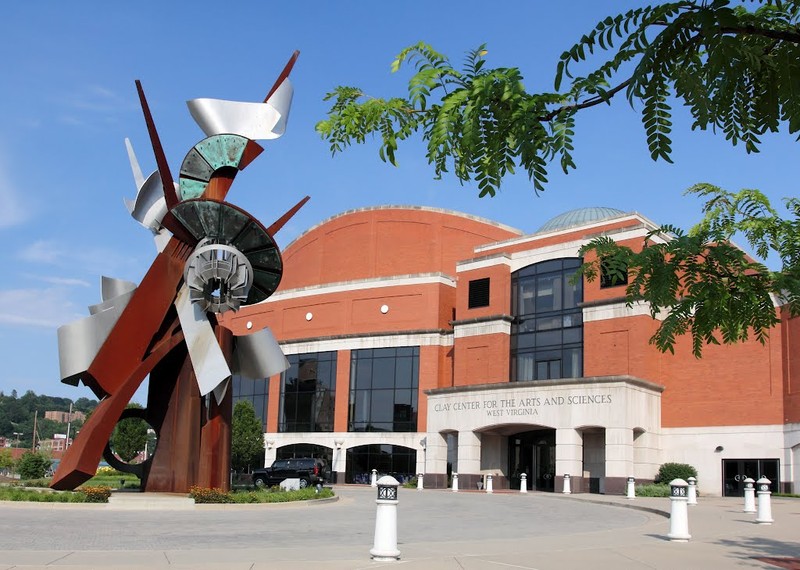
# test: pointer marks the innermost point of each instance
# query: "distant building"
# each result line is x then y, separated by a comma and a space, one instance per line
65, 417
429, 341
55, 444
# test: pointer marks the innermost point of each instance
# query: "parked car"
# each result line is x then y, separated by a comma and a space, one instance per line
309, 470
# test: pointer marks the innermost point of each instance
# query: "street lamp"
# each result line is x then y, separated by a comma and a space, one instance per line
18, 435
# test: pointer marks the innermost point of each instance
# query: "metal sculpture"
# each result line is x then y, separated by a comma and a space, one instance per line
212, 257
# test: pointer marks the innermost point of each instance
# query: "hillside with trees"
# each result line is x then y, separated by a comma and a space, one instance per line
17, 415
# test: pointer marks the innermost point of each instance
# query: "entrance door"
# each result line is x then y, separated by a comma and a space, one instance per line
735, 471
533, 453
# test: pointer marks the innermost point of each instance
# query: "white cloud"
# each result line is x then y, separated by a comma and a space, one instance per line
41, 308
92, 259
12, 210
65, 281
92, 99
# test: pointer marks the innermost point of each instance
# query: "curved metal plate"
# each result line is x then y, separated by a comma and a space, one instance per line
227, 224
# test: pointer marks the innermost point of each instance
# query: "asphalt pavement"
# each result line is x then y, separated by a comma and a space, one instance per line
437, 530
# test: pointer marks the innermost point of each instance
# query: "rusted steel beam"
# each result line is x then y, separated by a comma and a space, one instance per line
284, 74
161, 160
79, 462
215, 434
175, 399
127, 344
280, 222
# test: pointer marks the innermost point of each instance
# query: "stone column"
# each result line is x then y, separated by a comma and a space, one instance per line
436, 459
569, 459
469, 459
619, 459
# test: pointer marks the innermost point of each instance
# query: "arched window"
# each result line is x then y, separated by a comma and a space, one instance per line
547, 331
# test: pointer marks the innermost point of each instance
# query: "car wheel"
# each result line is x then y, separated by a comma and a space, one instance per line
304, 483
260, 482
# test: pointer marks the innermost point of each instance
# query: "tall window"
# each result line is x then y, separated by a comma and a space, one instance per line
255, 392
383, 389
307, 393
547, 331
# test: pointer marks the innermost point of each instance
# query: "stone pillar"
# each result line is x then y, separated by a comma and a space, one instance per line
420, 484
436, 461
619, 459
523, 483
569, 457
270, 450
469, 458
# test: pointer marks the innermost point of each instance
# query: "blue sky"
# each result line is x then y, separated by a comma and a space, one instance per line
69, 101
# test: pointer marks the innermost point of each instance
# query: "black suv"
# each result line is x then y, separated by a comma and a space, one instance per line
310, 471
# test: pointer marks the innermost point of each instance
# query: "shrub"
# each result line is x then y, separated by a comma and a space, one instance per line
670, 471
206, 495
654, 490
411, 483
96, 494
33, 465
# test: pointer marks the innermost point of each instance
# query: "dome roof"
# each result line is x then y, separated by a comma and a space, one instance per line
578, 217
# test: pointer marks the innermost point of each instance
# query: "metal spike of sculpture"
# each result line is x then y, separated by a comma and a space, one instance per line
212, 257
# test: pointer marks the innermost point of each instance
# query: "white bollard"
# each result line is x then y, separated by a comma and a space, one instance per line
455, 482
373, 480
631, 489
523, 483
489, 488
679, 512
764, 505
692, 492
385, 546
419, 482
567, 487
749, 496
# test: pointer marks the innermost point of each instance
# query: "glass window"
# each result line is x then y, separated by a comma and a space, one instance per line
547, 330
254, 391
383, 389
308, 393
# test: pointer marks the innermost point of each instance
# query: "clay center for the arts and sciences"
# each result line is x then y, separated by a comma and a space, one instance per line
430, 341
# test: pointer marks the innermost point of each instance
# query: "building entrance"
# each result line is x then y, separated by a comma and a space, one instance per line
735, 471
533, 453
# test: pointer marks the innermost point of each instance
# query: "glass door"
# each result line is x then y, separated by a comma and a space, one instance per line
735, 471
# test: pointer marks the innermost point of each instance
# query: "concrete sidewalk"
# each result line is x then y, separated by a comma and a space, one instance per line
437, 530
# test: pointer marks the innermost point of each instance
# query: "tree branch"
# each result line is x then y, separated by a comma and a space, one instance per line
585, 104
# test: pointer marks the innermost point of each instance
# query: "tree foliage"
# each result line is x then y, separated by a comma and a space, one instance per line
17, 413
247, 439
129, 436
6, 460
700, 282
736, 68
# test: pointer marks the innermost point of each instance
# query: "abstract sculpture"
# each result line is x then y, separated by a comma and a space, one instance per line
212, 257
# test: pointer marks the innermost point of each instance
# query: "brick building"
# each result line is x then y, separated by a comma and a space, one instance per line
429, 341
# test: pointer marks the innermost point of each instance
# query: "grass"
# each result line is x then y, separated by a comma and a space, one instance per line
43, 496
